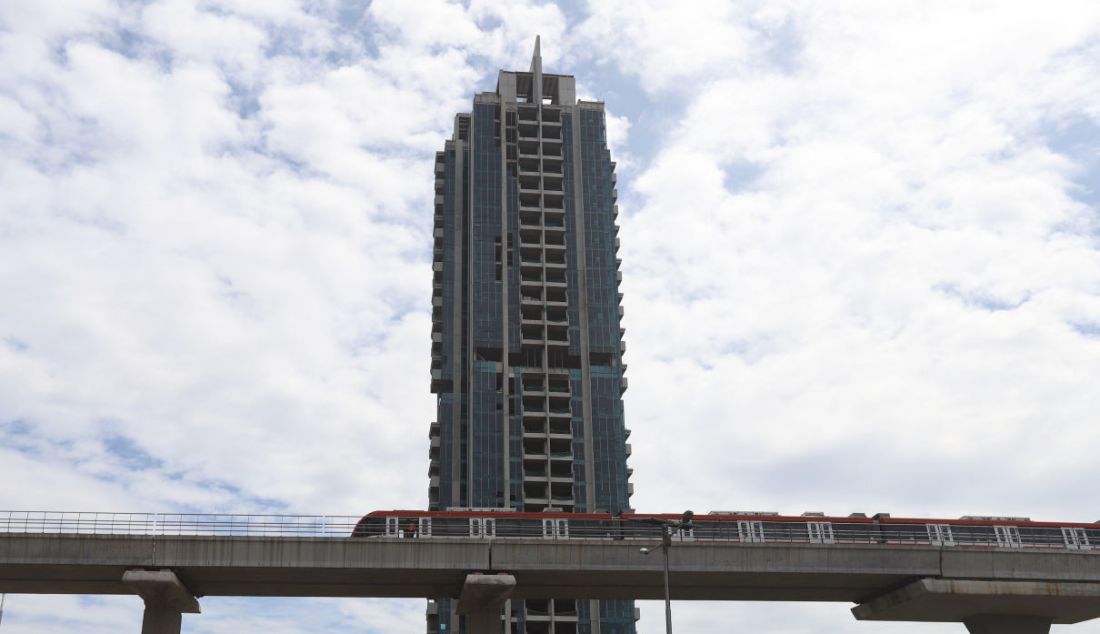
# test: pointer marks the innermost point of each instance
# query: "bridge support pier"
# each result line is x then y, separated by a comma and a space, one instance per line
166, 600
1007, 624
481, 600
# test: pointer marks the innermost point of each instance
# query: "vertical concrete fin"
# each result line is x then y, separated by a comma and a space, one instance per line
536, 72
536, 59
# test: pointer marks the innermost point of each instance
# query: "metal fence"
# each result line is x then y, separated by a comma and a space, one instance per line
482, 526
176, 524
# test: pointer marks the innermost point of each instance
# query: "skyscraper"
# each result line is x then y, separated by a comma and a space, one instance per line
526, 343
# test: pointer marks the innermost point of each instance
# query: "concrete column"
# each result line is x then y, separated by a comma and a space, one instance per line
1007, 624
166, 599
481, 600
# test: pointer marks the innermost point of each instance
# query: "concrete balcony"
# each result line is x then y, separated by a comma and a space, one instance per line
552, 147
529, 148
528, 127
527, 113
552, 165
535, 474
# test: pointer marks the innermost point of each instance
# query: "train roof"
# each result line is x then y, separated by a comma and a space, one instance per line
856, 518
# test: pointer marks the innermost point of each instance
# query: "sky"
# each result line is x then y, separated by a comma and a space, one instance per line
860, 242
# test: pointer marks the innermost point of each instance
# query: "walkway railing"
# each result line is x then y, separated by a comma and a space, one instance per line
176, 524
482, 526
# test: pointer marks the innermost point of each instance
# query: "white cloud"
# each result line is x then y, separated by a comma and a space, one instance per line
875, 249
853, 273
666, 45
235, 288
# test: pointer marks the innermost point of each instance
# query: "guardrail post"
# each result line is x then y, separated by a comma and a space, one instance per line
166, 600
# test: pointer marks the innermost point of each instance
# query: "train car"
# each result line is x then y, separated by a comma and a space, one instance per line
733, 526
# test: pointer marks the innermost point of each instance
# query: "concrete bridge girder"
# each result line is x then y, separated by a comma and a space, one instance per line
874, 576
987, 607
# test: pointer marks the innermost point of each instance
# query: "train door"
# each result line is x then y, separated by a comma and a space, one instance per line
821, 533
484, 527
1007, 536
393, 527
940, 535
687, 533
555, 528
1076, 538
425, 527
748, 531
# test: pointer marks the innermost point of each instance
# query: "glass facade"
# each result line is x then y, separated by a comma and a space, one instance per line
526, 338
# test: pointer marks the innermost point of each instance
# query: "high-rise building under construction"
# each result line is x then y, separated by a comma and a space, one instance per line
527, 347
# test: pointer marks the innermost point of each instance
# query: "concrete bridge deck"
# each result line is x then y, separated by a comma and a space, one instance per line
380, 567
884, 580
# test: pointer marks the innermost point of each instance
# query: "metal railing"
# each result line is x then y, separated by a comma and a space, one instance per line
176, 524
487, 527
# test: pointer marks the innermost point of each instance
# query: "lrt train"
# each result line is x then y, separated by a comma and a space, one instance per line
735, 526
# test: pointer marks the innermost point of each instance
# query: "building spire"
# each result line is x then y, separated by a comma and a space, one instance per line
536, 72
536, 58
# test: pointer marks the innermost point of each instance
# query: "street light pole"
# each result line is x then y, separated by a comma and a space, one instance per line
666, 543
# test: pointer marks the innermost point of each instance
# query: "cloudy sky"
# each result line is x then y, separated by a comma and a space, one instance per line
861, 246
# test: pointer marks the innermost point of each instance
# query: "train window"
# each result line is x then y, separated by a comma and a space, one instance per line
821, 533
393, 527
555, 529
750, 531
940, 535
1076, 538
1007, 536
425, 527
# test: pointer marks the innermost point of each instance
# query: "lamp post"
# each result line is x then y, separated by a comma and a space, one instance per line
666, 542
